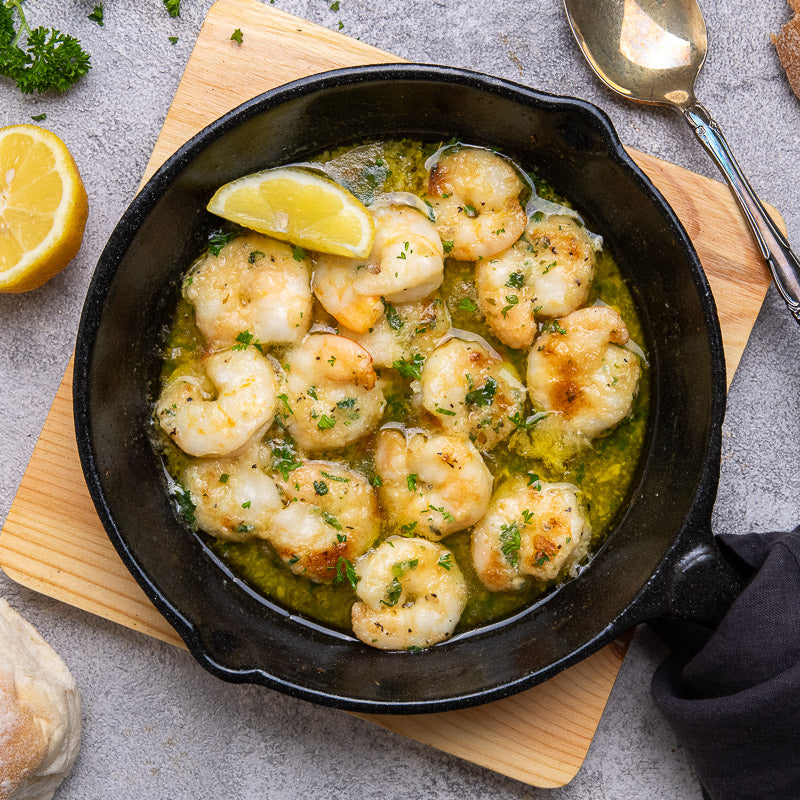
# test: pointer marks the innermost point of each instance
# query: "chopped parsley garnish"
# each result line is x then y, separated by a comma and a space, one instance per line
411, 482
246, 504
393, 593
336, 478
466, 304
548, 267
173, 39
341, 537
554, 327
331, 520
245, 339
512, 300
320, 487
335, 5
401, 567
284, 460
244, 528
533, 480
412, 368
185, 504
376, 481
284, 398
516, 280
224, 477
294, 559
255, 255
96, 15
484, 396
448, 517
526, 423
348, 402
332, 360
448, 245
510, 542
408, 529
446, 411
393, 318
445, 561
471, 211
237, 36
325, 422
542, 559
298, 254
218, 239
538, 216
173, 7
312, 392
39, 117
344, 569
527, 516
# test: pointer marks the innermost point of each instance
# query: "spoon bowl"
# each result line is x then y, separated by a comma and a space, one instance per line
650, 51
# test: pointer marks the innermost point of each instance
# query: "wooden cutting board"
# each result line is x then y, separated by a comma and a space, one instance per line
53, 541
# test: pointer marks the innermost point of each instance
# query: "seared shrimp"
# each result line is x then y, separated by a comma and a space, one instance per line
331, 398
470, 392
404, 331
475, 197
405, 265
330, 513
411, 595
578, 369
254, 285
547, 273
233, 498
531, 530
220, 404
431, 486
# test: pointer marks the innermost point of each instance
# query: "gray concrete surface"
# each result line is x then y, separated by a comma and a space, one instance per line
157, 725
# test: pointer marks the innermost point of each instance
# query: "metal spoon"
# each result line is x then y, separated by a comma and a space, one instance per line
651, 51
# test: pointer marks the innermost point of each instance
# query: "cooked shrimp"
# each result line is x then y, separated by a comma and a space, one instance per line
331, 394
532, 529
220, 403
254, 285
404, 331
405, 265
578, 369
431, 486
470, 392
411, 595
233, 498
547, 273
330, 513
475, 197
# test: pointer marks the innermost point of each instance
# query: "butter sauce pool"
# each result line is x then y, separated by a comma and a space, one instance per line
604, 472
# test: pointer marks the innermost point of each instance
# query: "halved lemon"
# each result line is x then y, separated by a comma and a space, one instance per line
43, 207
298, 206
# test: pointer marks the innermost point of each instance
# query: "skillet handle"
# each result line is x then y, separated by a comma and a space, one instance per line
700, 585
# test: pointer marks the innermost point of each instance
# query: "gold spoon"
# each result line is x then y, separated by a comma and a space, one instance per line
651, 51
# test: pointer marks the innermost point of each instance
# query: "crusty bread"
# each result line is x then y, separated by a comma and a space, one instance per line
787, 43
40, 713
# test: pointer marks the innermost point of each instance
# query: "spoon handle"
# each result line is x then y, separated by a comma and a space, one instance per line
781, 260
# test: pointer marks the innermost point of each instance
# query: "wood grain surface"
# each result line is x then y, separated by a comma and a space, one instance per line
53, 541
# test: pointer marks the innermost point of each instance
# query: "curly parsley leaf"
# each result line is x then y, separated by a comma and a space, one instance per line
38, 60
173, 7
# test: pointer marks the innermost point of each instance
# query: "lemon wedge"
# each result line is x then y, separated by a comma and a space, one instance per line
298, 206
43, 207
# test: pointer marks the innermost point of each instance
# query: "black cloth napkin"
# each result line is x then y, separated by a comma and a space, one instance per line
733, 694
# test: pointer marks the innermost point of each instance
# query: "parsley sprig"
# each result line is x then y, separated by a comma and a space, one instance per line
39, 59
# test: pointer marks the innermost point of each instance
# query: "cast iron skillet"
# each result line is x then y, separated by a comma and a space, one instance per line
660, 559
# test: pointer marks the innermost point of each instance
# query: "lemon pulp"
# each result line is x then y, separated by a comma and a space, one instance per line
43, 207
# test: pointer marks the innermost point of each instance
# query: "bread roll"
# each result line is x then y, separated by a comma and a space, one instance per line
40, 712
787, 43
